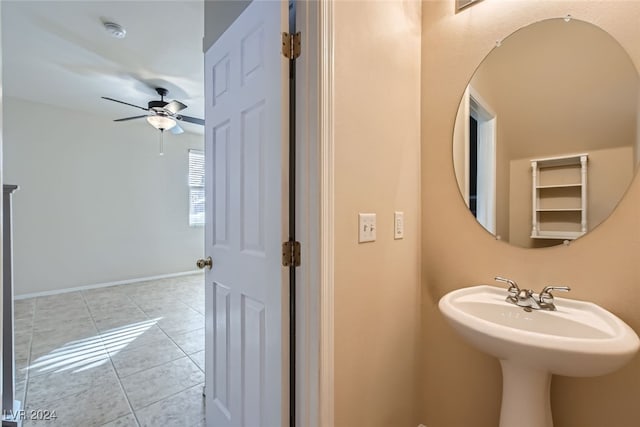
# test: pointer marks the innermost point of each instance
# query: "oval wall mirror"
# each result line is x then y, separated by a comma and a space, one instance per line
547, 135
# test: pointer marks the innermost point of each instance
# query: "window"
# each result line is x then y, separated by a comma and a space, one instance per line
196, 187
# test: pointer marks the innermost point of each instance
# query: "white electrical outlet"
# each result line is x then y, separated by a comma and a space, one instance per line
398, 225
366, 227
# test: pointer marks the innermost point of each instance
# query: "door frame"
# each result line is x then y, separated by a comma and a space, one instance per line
315, 208
326, 136
314, 204
486, 117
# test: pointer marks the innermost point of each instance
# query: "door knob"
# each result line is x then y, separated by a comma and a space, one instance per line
202, 263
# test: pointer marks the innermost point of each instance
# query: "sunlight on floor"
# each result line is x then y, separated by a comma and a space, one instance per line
90, 352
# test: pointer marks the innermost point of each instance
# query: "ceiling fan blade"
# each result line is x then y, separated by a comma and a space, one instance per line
177, 130
125, 103
175, 106
191, 120
129, 118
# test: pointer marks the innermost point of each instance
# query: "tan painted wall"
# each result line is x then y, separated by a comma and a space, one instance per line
636, 148
460, 387
377, 169
558, 84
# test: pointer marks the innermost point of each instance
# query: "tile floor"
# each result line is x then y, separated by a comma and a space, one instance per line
128, 355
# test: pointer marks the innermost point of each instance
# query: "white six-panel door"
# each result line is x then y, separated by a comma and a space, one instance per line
246, 209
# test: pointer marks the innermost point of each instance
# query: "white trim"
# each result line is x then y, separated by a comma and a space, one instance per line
307, 223
486, 158
106, 284
567, 159
326, 132
467, 136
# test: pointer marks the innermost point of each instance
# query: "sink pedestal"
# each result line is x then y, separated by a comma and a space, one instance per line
579, 339
525, 396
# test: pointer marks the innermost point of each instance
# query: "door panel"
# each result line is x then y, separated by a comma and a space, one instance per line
221, 182
246, 117
221, 369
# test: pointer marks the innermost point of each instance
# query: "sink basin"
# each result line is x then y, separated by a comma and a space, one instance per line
579, 339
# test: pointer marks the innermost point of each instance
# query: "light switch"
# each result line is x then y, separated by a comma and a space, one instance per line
366, 227
398, 225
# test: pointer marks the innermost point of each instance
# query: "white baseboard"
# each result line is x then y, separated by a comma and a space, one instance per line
104, 285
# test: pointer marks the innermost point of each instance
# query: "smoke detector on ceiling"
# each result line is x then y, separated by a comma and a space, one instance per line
116, 30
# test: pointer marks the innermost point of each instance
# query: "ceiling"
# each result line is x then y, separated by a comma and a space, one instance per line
58, 53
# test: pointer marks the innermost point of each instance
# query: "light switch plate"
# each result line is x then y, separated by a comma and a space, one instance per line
366, 227
398, 225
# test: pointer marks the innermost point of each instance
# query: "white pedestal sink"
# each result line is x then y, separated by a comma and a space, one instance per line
578, 339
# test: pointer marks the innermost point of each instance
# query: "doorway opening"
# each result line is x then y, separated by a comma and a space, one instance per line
104, 211
482, 161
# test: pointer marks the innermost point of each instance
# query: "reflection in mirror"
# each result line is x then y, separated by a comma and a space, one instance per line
461, 4
547, 135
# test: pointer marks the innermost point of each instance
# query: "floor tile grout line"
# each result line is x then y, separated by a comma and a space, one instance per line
169, 396
159, 327
115, 371
182, 333
27, 375
172, 395
189, 356
165, 332
151, 367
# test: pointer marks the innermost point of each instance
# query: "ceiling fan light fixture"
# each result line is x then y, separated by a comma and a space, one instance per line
161, 122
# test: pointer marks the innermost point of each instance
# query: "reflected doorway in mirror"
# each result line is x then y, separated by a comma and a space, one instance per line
462, 4
477, 177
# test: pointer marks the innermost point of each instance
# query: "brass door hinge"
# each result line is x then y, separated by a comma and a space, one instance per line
291, 254
291, 45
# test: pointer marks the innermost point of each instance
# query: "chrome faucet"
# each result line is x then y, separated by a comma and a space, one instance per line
529, 300
546, 298
514, 289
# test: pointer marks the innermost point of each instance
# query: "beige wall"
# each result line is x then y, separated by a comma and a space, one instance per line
636, 147
558, 84
460, 386
377, 169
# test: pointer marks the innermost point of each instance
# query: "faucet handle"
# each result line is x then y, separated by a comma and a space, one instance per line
513, 290
546, 296
512, 284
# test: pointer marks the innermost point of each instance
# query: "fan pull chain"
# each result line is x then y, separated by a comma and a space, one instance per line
161, 142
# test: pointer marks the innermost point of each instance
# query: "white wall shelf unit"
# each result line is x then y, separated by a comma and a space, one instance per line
559, 197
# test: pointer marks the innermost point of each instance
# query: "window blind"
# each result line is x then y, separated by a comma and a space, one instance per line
196, 187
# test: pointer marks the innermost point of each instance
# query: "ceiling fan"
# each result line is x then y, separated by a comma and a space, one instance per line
161, 114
